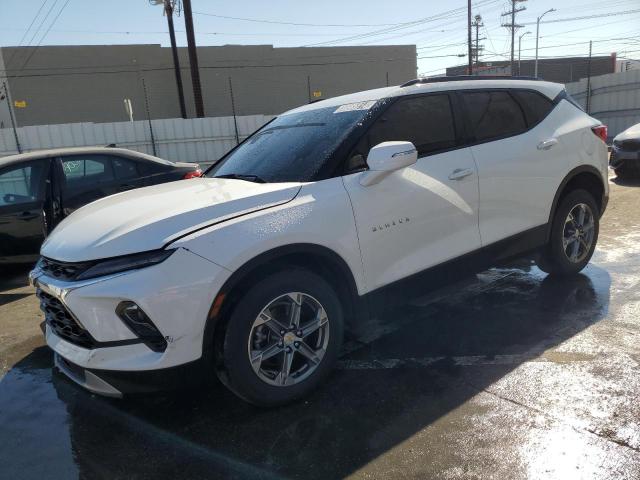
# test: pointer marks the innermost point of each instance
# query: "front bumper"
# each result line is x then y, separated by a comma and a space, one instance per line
620, 158
176, 295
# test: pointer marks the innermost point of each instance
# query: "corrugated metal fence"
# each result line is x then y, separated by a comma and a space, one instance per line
615, 99
200, 140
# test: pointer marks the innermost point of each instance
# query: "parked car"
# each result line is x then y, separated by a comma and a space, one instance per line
625, 152
300, 231
38, 189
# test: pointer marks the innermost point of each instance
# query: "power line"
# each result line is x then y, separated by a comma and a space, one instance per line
587, 17
222, 67
440, 16
45, 33
257, 20
41, 24
26, 32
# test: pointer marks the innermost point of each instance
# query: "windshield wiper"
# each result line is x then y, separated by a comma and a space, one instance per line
240, 176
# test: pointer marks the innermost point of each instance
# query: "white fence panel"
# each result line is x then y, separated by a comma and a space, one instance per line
615, 99
202, 140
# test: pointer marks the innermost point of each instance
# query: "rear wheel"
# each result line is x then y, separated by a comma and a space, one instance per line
282, 338
574, 233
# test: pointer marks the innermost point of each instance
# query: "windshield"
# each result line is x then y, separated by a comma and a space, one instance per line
293, 147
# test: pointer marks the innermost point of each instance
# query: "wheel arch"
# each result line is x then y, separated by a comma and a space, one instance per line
315, 258
585, 177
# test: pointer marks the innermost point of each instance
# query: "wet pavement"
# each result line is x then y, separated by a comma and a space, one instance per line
509, 374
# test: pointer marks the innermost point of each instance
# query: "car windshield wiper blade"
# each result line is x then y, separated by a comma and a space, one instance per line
240, 176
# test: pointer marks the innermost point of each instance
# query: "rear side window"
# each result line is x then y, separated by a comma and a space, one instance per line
425, 121
534, 105
81, 170
494, 115
124, 169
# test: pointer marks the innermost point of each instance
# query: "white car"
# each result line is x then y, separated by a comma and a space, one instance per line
254, 271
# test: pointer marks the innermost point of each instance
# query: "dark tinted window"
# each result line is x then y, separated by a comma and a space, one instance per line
124, 168
426, 121
22, 184
535, 105
294, 146
494, 114
86, 169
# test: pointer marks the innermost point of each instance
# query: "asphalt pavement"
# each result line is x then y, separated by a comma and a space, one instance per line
508, 374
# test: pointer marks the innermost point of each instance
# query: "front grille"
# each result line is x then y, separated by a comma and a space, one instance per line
632, 144
62, 322
62, 270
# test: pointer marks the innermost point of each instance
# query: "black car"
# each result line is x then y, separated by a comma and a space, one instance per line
625, 153
38, 189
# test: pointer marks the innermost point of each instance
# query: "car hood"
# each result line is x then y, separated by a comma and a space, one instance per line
629, 133
149, 218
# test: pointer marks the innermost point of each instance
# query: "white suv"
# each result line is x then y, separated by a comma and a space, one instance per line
255, 270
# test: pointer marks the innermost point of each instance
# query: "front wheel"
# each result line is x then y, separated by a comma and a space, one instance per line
574, 233
283, 338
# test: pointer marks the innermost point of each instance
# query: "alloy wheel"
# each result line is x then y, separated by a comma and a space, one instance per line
288, 339
578, 233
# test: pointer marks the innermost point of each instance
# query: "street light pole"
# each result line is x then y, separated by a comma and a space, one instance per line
537, 37
519, 48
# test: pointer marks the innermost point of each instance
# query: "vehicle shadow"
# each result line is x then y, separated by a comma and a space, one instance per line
413, 369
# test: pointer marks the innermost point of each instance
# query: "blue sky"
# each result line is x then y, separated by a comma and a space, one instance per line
371, 22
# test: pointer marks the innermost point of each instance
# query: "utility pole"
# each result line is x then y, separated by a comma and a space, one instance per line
512, 26
477, 23
193, 58
520, 48
469, 37
13, 121
535, 72
168, 10
588, 103
233, 110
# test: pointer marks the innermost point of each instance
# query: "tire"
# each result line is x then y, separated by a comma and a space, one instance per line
244, 338
556, 259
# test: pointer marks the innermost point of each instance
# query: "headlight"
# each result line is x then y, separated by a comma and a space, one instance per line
124, 263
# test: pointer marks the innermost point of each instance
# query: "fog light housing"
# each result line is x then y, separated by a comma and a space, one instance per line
140, 324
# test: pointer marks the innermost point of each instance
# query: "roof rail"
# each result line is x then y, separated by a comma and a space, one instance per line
458, 78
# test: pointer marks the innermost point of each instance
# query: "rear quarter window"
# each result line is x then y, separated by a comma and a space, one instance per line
534, 105
494, 115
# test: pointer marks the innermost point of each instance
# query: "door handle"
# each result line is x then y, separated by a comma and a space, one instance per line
547, 144
460, 173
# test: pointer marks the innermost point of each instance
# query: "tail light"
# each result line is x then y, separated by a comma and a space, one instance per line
601, 132
193, 174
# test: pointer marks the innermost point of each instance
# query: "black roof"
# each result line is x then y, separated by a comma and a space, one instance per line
458, 78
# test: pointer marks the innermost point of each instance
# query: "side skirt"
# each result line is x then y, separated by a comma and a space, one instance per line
521, 245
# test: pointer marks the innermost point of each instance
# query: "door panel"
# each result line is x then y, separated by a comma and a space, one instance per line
22, 192
417, 217
518, 174
85, 178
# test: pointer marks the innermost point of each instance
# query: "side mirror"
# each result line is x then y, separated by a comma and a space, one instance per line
387, 157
